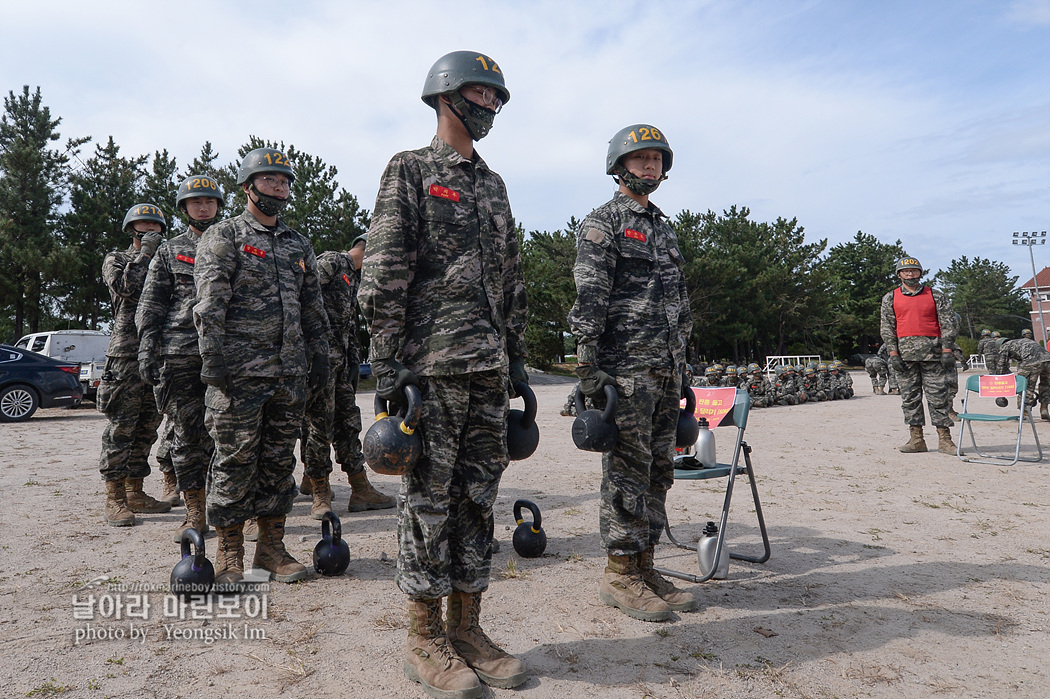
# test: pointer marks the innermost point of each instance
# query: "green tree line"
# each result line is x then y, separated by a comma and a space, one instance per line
756, 288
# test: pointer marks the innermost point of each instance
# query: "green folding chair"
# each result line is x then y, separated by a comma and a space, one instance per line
688, 468
1024, 413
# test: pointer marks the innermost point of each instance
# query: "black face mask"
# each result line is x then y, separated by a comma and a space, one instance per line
640, 186
202, 224
269, 206
477, 119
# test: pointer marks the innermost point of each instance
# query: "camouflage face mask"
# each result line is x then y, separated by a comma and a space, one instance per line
477, 119
203, 224
270, 206
640, 186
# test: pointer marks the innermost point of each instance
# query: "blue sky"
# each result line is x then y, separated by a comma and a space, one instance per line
927, 122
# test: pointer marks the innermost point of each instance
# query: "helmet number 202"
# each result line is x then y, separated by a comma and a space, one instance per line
646, 134
489, 65
276, 158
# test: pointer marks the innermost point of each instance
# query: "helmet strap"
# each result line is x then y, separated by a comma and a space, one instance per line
477, 120
270, 206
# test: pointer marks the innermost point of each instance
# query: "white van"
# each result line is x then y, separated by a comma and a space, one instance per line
85, 347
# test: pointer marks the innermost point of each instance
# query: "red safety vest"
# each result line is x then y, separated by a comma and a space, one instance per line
916, 315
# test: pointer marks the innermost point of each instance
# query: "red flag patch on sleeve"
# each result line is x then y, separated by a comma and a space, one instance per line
437, 190
184, 258
254, 251
346, 279
637, 235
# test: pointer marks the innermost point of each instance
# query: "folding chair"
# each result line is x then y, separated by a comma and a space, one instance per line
996, 386
731, 410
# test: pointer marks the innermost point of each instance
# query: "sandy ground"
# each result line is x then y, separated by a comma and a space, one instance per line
892, 575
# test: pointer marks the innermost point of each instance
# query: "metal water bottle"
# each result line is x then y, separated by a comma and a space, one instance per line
705, 445
705, 553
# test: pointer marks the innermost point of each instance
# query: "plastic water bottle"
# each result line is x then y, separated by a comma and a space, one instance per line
705, 445
705, 553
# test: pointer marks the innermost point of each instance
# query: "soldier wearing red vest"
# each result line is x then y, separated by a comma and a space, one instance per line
918, 327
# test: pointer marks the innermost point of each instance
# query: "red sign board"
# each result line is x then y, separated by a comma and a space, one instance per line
998, 386
713, 404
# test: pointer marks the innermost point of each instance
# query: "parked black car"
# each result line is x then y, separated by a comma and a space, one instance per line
29, 381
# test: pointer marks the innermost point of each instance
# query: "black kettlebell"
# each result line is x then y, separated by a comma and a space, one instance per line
594, 430
392, 445
688, 427
523, 434
194, 574
529, 539
331, 554
1002, 402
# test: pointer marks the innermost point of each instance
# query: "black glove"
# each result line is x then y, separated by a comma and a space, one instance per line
319, 371
517, 374
948, 360
896, 362
214, 372
353, 373
391, 378
149, 368
150, 242
593, 380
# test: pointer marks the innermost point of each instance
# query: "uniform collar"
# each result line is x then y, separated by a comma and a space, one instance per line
451, 157
250, 219
631, 204
904, 290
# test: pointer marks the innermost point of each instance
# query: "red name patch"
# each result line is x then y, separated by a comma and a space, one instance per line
183, 258
254, 251
637, 235
346, 279
437, 190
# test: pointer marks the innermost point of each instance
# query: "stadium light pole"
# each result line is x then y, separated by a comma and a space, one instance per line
1031, 238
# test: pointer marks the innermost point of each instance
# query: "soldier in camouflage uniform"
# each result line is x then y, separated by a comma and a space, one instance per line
262, 331
708, 380
785, 389
569, 409
122, 394
168, 352
757, 386
1033, 363
444, 296
166, 432
918, 328
332, 416
878, 370
631, 320
845, 380
893, 386
809, 383
731, 377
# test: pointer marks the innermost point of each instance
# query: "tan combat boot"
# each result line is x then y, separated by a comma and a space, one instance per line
171, 489
494, 666
117, 512
229, 558
195, 517
1044, 413
138, 501
677, 600
321, 489
364, 497
305, 488
917, 443
271, 555
251, 530
945, 445
431, 660
623, 587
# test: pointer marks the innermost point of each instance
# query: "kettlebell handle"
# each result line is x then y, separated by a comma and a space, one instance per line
612, 399
529, 396
409, 413
336, 529
192, 536
537, 521
690, 399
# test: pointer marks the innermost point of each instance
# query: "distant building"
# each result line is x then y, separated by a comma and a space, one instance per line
1043, 279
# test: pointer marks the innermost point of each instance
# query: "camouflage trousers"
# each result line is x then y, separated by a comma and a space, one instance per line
878, 371
128, 402
787, 399
891, 379
639, 471
254, 429
951, 378
166, 433
445, 504
758, 400
332, 418
1038, 376
927, 378
570, 401
180, 397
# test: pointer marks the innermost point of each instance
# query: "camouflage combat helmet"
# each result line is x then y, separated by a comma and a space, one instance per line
908, 263
363, 238
1027, 333
454, 70
822, 367
753, 367
630, 139
986, 333
144, 212
996, 335
799, 368
719, 368
710, 370
198, 186
731, 370
263, 160
781, 370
